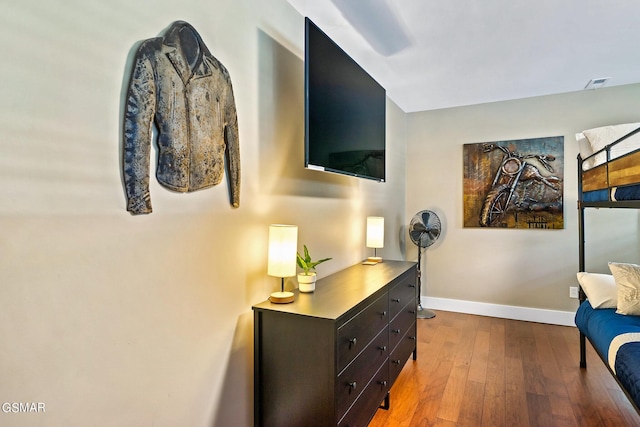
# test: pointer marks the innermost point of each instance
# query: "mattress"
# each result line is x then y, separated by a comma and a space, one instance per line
628, 192
616, 338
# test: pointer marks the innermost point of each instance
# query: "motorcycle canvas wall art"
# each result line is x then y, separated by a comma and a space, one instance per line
514, 184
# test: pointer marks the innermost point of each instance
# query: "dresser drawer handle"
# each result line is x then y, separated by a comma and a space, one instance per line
382, 383
382, 348
412, 311
383, 313
412, 286
353, 342
395, 299
397, 361
412, 338
353, 385
395, 331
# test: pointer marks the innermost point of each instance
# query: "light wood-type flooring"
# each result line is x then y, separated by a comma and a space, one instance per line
483, 371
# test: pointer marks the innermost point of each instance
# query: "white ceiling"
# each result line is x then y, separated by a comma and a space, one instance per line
432, 54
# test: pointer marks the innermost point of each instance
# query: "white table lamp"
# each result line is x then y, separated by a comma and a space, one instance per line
375, 236
283, 244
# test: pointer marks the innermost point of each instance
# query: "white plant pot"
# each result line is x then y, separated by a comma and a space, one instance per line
307, 282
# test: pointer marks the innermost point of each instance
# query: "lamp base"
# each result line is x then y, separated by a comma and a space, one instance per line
281, 297
374, 259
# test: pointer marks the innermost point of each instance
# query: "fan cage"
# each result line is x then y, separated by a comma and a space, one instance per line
425, 228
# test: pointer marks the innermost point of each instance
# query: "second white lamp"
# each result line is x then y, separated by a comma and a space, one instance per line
375, 236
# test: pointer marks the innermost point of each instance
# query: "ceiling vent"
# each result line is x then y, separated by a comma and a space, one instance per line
597, 83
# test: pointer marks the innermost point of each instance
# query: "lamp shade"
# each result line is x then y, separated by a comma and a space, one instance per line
283, 244
375, 232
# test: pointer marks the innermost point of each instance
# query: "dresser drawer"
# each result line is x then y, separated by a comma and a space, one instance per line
400, 325
401, 294
355, 335
401, 353
369, 400
352, 380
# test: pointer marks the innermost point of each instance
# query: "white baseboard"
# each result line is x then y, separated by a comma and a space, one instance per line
554, 317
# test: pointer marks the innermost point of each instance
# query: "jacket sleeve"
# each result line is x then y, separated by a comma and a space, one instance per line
138, 118
232, 152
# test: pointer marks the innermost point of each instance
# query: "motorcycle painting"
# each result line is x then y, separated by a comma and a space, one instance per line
514, 184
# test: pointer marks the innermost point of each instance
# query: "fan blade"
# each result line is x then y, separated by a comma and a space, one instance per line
416, 235
425, 217
418, 226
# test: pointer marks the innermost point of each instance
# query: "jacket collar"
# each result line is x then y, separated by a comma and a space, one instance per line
178, 52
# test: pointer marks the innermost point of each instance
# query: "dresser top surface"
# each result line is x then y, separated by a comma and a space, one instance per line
338, 293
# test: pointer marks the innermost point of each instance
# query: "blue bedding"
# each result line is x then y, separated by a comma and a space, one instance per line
628, 192
602, 326
627, 366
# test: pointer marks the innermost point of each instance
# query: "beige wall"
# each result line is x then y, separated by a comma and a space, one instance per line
111, 319
520, 268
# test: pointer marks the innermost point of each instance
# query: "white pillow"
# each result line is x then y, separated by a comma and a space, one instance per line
627, 277
605, 135
600, 289
585, 149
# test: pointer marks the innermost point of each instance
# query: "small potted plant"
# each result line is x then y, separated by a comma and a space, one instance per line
307, 279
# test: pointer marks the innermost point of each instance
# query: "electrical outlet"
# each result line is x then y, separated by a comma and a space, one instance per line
573, 292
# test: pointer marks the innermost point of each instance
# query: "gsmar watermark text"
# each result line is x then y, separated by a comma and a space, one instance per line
21, 407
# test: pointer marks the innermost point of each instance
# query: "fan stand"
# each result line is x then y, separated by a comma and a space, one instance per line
423, 313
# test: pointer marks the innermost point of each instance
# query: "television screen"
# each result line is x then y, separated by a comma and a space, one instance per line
344, 111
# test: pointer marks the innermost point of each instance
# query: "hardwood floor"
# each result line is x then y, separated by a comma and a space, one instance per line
483, 371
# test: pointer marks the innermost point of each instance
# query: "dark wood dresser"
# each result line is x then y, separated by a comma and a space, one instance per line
330, 357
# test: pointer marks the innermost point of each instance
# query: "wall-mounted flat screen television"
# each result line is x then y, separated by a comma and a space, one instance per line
344, 111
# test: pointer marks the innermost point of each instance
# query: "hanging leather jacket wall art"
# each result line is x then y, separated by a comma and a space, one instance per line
177, 84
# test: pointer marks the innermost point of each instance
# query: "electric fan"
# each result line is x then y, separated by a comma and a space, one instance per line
424, 230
